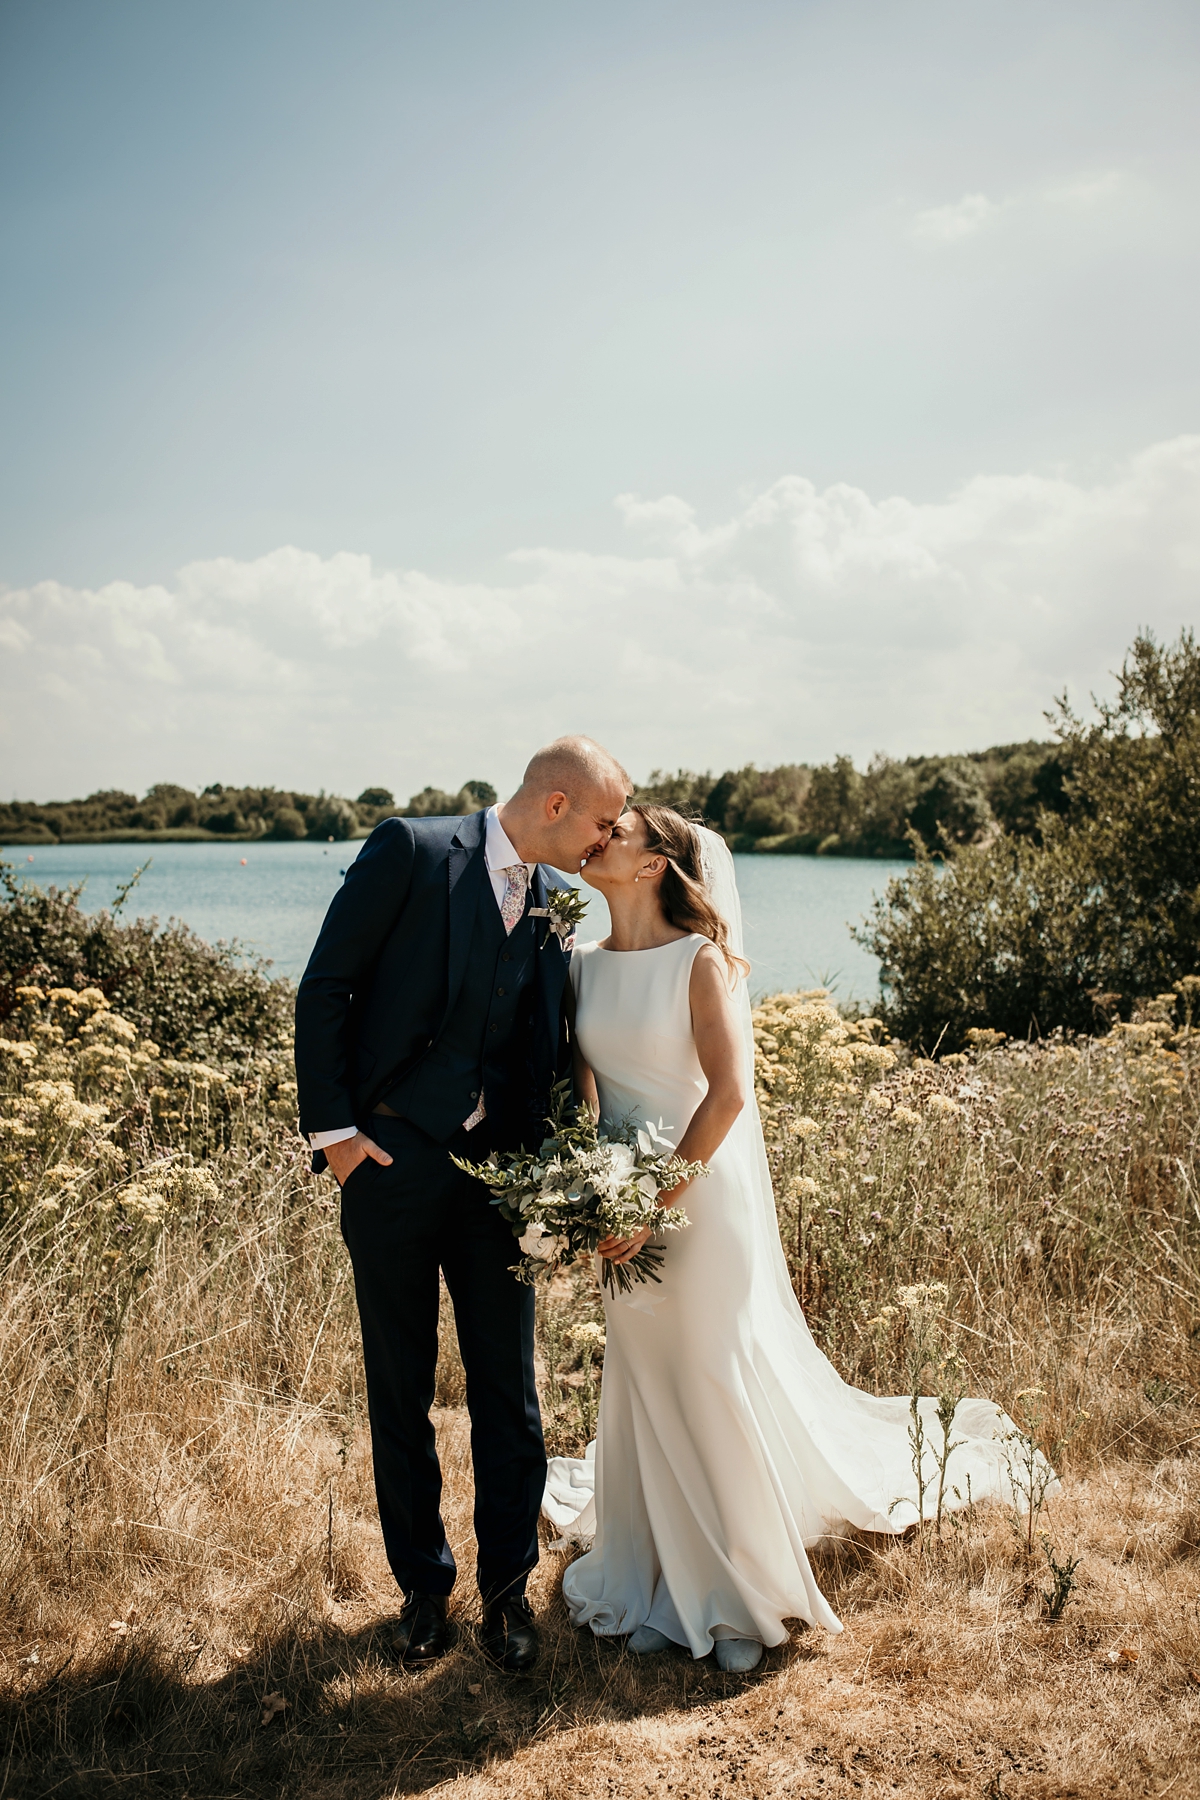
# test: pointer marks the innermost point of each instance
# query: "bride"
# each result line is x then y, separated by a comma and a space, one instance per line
727, 1443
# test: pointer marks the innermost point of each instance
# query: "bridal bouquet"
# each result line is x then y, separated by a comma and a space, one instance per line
583, 1186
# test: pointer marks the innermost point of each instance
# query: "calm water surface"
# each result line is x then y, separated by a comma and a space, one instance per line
272, 898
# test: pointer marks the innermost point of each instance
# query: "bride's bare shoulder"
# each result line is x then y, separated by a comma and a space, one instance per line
708, 965
712, 980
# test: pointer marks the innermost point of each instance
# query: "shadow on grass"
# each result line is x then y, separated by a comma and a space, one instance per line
136, 1718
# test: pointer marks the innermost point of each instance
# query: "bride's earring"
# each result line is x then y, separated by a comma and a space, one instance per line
637, 878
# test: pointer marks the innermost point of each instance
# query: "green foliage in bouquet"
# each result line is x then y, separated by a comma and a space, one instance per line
584, 1185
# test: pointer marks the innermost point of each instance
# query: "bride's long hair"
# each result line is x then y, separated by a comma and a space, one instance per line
685, 899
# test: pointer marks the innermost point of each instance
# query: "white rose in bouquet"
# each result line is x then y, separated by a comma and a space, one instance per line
539, 1243
621, 1160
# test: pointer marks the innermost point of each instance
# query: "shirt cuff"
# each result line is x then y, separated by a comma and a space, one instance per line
321, 1140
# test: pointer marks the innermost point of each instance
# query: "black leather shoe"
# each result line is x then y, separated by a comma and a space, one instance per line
422, 1633
509, 1635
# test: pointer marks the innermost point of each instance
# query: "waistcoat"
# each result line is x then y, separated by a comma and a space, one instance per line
484, 1044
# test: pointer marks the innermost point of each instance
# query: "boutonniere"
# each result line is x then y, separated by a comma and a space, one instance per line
564, 909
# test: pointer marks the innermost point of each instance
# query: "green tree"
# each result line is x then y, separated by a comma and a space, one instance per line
1022, 781
432, 803
759, 803
836, 799
686, 791
436, 803
288, 823
330, 816
1023, 936
951, 804
227, 821
889, 795
1134, 821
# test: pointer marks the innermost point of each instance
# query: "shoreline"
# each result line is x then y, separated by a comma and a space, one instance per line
739, 843
190, 834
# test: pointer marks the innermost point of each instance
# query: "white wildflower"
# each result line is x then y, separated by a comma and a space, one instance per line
922, 1296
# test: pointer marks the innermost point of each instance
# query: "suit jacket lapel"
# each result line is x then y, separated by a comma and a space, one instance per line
467, 870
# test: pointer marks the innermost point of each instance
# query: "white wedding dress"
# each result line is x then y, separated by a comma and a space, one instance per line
727, 1443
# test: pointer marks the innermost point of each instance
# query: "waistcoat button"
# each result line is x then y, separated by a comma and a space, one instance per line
500, 990
493, 1027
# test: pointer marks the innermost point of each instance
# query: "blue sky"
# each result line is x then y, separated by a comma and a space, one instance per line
409, 292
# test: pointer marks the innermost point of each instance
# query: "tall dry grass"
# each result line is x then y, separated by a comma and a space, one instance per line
188, 1520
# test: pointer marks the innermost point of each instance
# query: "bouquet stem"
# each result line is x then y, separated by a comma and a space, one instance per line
642, 1267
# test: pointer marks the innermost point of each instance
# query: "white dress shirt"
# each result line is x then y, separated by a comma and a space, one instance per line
499, 855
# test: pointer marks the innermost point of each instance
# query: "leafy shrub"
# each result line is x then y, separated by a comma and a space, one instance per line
189, 997
1099, 913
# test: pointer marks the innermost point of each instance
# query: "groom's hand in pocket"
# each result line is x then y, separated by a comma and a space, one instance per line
344, 1157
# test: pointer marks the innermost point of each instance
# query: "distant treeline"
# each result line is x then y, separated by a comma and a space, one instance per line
830, 809
242, 814
835, 809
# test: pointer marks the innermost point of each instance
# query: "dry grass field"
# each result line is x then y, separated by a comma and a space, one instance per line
190, 1571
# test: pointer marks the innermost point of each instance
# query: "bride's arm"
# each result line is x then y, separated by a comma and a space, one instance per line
721, 1055
719, 1048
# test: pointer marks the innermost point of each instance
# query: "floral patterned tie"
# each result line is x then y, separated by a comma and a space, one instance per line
516, 886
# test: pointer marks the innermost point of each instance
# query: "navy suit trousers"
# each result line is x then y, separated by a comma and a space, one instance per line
401, 1224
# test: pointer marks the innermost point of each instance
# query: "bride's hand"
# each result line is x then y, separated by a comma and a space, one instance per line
621, 1250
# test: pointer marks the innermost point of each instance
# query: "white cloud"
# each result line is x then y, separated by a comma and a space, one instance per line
967, 217
810, 621
947, 224
1088, 191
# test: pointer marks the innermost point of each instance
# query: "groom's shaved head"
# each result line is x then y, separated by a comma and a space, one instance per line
565, 809
574, 766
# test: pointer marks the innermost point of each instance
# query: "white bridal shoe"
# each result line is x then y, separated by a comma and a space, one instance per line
645, 1641
737, 1656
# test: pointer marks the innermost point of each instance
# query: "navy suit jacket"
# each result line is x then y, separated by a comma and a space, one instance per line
388, 966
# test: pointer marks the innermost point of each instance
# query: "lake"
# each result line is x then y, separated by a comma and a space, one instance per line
272, 896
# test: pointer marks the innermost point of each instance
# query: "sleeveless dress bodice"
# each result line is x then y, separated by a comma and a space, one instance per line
653, 1071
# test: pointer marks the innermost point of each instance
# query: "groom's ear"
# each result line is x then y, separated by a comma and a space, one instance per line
557, 805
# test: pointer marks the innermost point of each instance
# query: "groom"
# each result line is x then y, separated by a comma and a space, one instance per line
429, 1022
